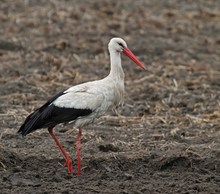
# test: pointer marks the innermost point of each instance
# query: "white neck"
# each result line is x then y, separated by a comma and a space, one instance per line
116, 68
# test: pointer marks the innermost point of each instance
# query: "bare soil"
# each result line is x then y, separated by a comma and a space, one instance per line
166, 137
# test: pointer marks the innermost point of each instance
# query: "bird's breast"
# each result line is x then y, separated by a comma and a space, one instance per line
119, 94
115, 93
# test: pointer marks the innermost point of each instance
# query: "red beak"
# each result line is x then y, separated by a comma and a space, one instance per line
128, 52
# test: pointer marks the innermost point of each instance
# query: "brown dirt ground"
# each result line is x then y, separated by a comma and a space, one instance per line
166, 137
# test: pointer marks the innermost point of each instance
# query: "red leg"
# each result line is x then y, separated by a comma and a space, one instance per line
78, 147
68, 160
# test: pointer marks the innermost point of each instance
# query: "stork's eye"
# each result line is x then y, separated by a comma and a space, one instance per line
120, 44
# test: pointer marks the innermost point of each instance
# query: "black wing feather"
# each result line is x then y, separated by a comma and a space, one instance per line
50, 115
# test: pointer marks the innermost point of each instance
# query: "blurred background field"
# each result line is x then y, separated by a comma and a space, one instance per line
166, 137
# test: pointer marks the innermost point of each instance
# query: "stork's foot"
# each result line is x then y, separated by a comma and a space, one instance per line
69, 165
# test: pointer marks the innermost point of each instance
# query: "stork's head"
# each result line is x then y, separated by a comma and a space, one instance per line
119, 45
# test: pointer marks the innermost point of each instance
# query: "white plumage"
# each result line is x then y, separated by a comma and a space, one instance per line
98, 96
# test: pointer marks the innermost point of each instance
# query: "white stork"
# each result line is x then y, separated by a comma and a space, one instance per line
83, 103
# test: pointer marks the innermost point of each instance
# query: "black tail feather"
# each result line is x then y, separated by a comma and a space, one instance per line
31, 123
50, 116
